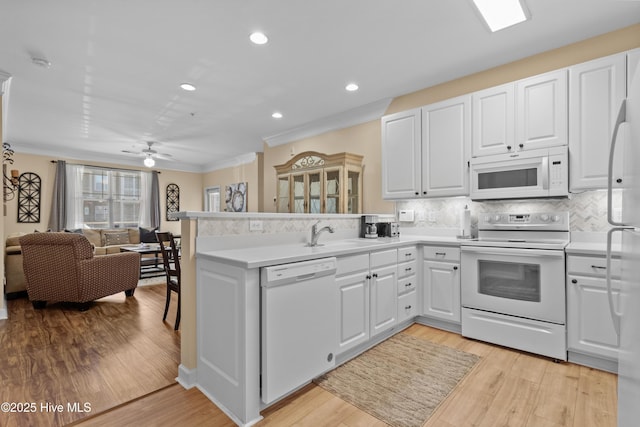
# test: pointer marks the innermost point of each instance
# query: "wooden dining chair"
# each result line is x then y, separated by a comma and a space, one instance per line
171, 259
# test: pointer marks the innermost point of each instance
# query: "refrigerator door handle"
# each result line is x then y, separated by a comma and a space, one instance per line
622, 116
615, 315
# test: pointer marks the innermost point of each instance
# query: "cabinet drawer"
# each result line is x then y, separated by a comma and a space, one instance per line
407, 306
407, 284
381, 258
441, 253
592, 266
407, 269
352, 263
407, 254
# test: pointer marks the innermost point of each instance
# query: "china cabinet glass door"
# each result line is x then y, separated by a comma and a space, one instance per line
332, 179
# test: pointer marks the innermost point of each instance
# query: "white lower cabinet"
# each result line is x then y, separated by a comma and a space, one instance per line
353, 290
368, 296
441, 283
407, 283
590, 329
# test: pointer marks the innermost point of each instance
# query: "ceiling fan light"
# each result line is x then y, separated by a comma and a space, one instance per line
149, 162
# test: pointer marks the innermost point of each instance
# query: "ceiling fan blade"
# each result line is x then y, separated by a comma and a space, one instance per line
163, 156
136, 153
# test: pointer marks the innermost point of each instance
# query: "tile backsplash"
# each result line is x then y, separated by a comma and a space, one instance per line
587, 211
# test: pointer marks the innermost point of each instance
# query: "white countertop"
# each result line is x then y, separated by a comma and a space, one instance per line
594, 244
263, 256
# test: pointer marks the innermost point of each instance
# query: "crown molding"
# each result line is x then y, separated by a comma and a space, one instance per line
348, 118
229, 163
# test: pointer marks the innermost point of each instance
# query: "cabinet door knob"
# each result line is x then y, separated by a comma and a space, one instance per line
368, 277
407, 285
455, 267
509, 147
407, 307
424, 192
417, 193
521, 145
375, 274
619, 180
574, 281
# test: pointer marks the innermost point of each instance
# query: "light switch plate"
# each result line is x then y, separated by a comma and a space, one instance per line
405, 215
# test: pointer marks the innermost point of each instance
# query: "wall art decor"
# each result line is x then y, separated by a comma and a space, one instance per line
173, 201
29, 186
236, 197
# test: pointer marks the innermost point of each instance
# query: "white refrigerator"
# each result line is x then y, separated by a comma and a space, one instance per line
626, 316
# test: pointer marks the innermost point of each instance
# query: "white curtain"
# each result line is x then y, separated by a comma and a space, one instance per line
145, 199
75, 215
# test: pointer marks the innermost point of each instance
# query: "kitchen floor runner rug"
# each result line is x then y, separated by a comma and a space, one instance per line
400, 381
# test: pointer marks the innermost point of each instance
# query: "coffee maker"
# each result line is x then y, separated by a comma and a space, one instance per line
368, 228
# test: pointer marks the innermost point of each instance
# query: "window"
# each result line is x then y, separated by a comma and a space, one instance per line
107, 198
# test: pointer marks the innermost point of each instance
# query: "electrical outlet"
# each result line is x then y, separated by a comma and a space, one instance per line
255, 225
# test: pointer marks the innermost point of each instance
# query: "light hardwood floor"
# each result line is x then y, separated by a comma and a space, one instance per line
116, 351
122, 359
506, 388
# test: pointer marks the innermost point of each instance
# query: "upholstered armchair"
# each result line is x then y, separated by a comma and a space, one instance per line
61, 267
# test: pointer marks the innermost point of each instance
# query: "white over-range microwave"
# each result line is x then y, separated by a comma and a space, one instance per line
535, 173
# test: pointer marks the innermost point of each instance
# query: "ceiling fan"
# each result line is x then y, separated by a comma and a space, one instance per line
149, 154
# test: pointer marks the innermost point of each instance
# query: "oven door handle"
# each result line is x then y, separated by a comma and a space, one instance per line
550, 253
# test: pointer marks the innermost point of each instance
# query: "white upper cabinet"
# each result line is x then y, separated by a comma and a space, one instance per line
425, 151
493, 120
542, 111
401, 161
446, 141
524, 115
596, 90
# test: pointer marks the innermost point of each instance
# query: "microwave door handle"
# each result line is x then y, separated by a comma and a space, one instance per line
545, 173
622, 116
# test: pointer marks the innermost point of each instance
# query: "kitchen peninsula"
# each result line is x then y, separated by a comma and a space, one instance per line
230, 310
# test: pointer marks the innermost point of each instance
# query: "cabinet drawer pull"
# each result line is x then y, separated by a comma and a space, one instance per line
455, 267
407, 307
408, 269
368, 277
407, 285
599, 267
375, 274
441, 254
574, 281
408, 254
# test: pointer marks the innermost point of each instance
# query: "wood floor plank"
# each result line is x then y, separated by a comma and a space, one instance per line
120, 350
116, 351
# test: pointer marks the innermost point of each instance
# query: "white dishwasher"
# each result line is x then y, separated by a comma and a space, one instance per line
299, 324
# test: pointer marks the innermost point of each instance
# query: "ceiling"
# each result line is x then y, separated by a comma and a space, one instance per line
116, 67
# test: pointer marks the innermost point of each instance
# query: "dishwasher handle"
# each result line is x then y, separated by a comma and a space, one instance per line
285, 274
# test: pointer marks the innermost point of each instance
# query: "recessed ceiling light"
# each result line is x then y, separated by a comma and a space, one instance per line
500, 14
188, 87
277, 115
351, 87
258, 38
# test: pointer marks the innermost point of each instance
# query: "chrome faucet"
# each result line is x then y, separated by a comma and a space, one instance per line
315, 233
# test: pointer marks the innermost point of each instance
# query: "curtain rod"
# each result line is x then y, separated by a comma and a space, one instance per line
92, 166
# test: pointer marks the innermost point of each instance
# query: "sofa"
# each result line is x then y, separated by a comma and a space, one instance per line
61, 267
104, 242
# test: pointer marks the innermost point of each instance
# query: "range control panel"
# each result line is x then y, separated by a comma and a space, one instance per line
520, 221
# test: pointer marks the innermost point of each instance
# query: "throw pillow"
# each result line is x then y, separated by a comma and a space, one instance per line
148, 235
121, 238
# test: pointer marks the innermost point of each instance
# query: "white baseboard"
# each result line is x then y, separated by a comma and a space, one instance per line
4, 314
187, 378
